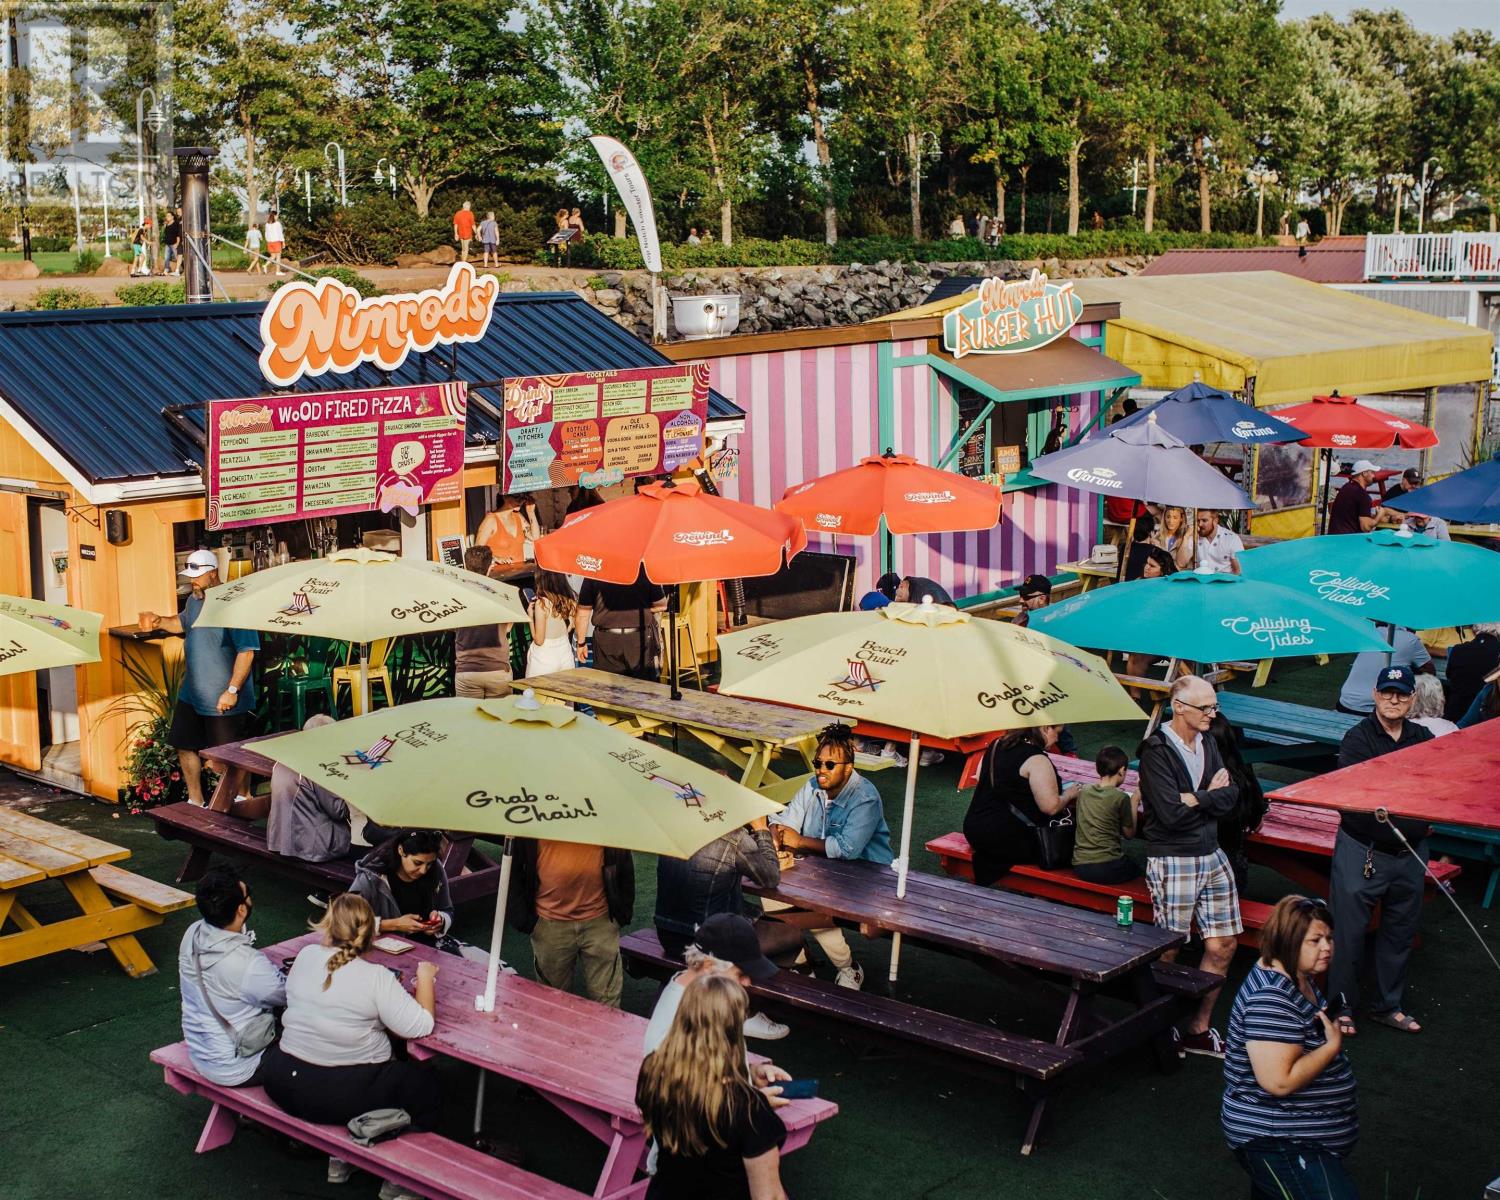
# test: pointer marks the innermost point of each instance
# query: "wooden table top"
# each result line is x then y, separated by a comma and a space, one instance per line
1323, 725
758, 720
32, 849
243, 755
1088, 567
1005, 926
1449, 779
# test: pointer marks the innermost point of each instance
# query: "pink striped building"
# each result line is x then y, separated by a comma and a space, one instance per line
818, 400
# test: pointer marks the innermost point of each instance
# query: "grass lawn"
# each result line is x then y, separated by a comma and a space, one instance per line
62, 262
85, 1114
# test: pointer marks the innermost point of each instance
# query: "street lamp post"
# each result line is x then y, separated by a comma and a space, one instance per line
306, 173
382, 172
1437, 173
153, 119
1260, 179
1399, 182
339, 152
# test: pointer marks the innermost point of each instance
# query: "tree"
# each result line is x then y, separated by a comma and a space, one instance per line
1144, 69
1075, 40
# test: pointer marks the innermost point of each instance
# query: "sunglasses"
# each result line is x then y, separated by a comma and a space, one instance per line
828, 764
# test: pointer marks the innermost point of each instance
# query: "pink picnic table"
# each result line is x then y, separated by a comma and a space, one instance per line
582, 1057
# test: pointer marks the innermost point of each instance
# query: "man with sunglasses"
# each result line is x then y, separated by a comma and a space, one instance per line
838, 814
1185, 789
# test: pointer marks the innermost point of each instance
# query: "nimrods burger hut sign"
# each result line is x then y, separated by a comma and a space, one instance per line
1009, 316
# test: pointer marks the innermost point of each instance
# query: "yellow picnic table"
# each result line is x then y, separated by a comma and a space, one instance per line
33, 851
746, 733
1091, 574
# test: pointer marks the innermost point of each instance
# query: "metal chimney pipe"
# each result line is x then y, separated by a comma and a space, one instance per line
197, 248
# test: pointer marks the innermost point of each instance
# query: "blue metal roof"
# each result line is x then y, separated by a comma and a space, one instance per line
94, 382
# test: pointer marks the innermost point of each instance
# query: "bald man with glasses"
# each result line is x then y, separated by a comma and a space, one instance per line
1185, 789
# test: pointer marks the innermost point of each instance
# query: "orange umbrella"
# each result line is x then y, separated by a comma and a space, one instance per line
912, 497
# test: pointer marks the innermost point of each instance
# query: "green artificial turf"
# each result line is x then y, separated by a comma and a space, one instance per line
84, 1114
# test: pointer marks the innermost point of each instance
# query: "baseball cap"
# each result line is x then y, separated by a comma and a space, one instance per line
1396, 679
1035, 585
1362, 466
1412, 475
199, 563
731, 938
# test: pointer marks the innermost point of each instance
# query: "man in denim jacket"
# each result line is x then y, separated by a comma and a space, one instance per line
838, 814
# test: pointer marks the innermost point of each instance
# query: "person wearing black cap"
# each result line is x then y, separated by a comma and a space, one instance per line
1370, 866
1035, 592
884, 593
1411, 480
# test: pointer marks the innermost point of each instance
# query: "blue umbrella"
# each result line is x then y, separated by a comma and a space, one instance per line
1143, 462
1386, 576
1204, 616
1470, 497
1199, 414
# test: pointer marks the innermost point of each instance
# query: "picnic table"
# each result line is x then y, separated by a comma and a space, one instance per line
227, 824
747, 733
33, 851
1090, 574
1283, 732
1010, 933
581, 1057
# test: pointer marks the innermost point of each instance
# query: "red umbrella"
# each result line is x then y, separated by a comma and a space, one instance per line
1341, 422
912, 497
680, 534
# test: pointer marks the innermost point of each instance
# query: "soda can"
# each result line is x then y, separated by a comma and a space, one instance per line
1125, 911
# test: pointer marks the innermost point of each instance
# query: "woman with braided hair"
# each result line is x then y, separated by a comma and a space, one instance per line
334, 1061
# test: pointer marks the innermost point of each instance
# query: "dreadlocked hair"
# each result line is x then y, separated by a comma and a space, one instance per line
349, 926
837, 737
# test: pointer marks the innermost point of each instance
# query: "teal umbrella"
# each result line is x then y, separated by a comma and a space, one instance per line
1394, 577
1205, 617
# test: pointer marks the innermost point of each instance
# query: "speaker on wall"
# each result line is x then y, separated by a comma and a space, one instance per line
117, 527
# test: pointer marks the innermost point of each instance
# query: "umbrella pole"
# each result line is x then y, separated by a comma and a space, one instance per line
1327, 483
364, 679
673, 602
913, 759
486, 1002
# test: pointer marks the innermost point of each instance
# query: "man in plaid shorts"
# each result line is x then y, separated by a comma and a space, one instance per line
1185, 790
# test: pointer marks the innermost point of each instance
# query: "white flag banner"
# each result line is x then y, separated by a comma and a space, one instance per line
635, 194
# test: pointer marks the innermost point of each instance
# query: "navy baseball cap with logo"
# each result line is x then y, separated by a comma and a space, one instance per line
730, 938
1396, 679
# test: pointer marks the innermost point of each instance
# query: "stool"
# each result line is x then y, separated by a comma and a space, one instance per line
300, 678
375, 672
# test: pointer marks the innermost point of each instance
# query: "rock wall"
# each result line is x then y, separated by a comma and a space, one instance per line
777, 298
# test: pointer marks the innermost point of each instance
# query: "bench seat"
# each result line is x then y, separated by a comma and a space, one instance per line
161, 898
426, 1163
223, 832
880, 1015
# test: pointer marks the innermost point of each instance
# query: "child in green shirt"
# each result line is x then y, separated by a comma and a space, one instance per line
1105, 817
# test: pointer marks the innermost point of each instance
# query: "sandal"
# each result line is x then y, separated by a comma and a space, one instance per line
1397, 1020
1346, 1026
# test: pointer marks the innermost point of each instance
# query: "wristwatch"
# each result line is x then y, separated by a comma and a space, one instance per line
232, 690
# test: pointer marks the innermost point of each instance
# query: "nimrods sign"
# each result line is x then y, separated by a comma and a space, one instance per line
1010, 316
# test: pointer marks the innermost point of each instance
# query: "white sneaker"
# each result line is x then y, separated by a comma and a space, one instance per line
852, 976
394, 1191
339, 1171
891, 754
758, 1025
930, 758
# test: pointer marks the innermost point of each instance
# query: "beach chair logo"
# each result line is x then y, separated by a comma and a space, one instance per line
300, 606
378, 755
690, 796
858, 678
55, 622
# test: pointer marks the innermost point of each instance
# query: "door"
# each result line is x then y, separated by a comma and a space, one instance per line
57, 689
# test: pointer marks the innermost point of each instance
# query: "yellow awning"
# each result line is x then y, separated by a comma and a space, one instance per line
1294, 338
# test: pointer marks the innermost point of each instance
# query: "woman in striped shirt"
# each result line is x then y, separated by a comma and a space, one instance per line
1289, 1111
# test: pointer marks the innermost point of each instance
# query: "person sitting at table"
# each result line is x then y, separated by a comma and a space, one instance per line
837, 814
1174, 536
572, 900
407, 889
1217, 547
1468, 663
1371, 866
1034, 592
1406, 651
481, 653
228, 988
1017, 783
551, 612
1352, 510
1411, 480
1105, 818
305, 819
716, 1132
334, 1059
1427, 707
1248, 811
1185, 789
1421, 525
1289, 1110
916, 588
1486, 705
884, 593
1155, 563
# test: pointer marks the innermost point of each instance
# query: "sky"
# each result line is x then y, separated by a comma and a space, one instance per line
1431, 16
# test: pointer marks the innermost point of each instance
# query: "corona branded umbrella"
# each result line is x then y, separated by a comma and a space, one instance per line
36, 635
1470, 497
912, 498
1203, 616
361, 596
1199, 414
678, 533
924, 667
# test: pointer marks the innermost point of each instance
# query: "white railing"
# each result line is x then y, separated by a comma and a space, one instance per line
1432, 256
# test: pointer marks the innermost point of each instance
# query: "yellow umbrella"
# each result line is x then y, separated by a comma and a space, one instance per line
36, 635
516, 768
924, 667
361, 596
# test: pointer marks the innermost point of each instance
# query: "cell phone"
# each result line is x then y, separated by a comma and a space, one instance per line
528, 595
1338, 1006
396, 971
798, 1089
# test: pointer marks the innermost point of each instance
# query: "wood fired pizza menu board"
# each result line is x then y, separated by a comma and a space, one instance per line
320, 454
599, 427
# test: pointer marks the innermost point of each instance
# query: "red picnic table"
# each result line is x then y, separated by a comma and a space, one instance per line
581, 1057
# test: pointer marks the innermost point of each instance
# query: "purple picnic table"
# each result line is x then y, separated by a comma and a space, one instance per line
582, 1057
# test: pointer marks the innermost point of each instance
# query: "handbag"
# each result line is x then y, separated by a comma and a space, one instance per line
1054, 840
256, 1034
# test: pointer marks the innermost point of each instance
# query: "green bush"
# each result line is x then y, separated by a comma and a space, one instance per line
377, 229
64, 297
348, 276
158, 291
87, 262
50, 244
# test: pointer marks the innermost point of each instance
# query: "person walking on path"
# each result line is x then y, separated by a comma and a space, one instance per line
171, 237
463, 229
253, 243
489, 241
140, 241
1186, 789
1370, 866
275, 241
216, 703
